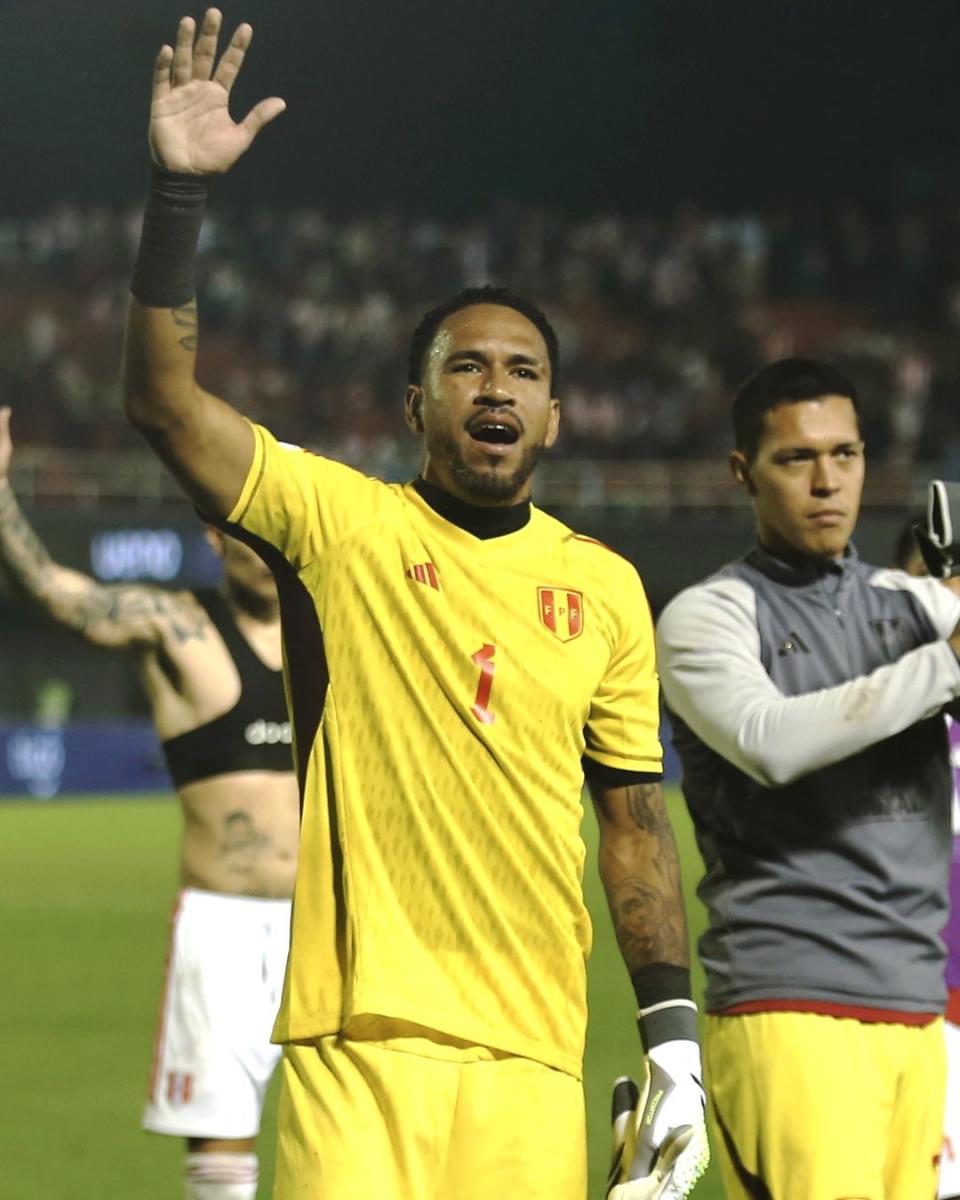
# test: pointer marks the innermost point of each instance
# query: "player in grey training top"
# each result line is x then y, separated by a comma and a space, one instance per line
806, 692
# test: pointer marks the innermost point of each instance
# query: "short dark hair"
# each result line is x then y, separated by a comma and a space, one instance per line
430, 322
784, 382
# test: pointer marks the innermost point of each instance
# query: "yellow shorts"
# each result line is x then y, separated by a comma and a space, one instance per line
426, 1118
811, 1107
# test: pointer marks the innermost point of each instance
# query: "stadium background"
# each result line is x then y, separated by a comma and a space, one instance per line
690, 188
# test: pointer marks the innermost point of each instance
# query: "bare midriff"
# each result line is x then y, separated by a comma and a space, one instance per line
240, 834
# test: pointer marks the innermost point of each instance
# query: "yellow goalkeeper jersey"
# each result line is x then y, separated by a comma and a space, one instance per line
443, 689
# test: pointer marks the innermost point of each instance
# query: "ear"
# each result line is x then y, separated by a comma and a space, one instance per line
413, 408
740, 468
553, 423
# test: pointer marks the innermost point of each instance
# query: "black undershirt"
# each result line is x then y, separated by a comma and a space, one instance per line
495, 521
483, 522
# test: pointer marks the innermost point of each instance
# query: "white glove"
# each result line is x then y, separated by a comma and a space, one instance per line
939, 536
660, 1137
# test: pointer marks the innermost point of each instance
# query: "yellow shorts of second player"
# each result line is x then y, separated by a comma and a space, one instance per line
425, 1118
811, 1107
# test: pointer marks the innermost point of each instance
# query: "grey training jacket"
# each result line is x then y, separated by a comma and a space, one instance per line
806, 710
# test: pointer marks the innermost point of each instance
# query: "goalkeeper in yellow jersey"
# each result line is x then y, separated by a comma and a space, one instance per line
457, 661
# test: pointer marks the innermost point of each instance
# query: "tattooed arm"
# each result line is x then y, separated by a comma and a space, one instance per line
660, 1137
640, 872
115, 617
207, 445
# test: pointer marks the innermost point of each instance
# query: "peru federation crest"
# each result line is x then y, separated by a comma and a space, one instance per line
561, 611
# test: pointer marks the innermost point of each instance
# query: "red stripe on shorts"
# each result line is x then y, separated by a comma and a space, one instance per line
164, 1000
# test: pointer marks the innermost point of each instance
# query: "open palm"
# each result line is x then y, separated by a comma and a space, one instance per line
191, 130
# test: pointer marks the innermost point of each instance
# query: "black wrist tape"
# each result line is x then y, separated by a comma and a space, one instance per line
659, 982
164, 275
672, 1022
666, 1010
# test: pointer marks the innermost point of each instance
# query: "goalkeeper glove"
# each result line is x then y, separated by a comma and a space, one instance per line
939, 537
659, 1135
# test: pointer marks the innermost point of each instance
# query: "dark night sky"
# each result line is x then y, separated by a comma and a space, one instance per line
447, 105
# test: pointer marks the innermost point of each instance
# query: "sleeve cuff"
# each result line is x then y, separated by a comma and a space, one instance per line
604, 776
254, 476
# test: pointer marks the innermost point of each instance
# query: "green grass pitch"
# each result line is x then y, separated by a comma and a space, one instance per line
85, 891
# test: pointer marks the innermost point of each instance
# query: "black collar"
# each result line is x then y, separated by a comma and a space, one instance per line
482, 522
804, 571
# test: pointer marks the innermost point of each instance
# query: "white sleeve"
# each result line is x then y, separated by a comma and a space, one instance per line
942, 605
708, 651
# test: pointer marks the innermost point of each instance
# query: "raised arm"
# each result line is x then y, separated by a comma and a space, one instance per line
206, 443
114, 617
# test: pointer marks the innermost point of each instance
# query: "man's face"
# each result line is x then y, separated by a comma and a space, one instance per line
484, 407
806, 478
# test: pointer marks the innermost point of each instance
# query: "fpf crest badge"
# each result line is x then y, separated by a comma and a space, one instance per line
561, 611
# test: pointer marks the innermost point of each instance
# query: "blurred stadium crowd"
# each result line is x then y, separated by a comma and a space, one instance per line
306, 320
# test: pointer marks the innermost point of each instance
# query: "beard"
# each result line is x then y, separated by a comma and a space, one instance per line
486, 485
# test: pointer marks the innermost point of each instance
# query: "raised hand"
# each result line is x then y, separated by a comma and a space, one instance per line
191, 130
6, 445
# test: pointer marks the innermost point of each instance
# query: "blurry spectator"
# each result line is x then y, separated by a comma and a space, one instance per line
659, 317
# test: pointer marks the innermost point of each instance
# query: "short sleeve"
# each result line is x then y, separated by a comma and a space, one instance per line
623, 728
301, 503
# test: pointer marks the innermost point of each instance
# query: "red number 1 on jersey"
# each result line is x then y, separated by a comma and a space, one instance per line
484, 660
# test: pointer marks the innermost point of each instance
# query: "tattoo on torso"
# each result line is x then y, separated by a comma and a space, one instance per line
243, 844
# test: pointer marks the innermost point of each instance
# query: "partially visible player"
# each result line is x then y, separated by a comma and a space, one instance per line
806, 691
457, 662
949, 1183
908, 558
210, 667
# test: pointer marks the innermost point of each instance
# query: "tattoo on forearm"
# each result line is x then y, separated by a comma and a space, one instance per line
129, 605
643, 886
645, 804
648, 922
24, 555
85, 603
185, 318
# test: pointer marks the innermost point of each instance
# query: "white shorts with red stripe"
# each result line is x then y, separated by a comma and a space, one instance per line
212, 1057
